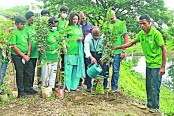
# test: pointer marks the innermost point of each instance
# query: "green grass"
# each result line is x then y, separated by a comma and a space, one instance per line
137, 49
133, 85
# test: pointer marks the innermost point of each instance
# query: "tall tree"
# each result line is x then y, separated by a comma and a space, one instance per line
127, 10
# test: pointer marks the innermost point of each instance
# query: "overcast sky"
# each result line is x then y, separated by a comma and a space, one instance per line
11, 3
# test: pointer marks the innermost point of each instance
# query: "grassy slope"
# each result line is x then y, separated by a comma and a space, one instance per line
137, 49
133, 85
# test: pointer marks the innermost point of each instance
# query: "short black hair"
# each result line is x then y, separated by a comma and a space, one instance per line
29, 14
64, 8
52, 20
20, 19
43, 12
81, 12
145, 16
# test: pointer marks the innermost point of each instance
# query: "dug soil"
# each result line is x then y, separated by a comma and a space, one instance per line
75, 103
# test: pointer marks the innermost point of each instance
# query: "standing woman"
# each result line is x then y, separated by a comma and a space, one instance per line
74, 60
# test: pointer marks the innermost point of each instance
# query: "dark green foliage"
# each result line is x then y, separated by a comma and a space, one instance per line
127, 10
5, 35
42, 29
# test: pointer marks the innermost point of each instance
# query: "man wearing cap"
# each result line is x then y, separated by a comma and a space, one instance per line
32, 34
92, 46
48, 70
20, 48
119, 54
155, 53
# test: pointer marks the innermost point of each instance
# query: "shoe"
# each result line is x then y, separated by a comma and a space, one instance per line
80, 83
21, 95
152, 110
66, 90
106, 89
31, 91
56, 84
88, 89
114, 90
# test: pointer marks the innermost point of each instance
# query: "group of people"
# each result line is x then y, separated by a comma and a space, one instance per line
84, 45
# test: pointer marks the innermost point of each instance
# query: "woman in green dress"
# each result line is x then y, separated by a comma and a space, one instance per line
74, 60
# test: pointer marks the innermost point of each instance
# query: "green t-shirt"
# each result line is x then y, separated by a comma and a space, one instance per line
73, 43
32, 35
52, 45
121, 30
61, 26
151, 47
20, 38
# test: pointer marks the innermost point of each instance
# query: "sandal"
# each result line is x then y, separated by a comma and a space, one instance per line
66, 90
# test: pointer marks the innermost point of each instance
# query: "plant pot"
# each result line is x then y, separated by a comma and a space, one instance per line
46, 91
14, 93
3, 97
60, 93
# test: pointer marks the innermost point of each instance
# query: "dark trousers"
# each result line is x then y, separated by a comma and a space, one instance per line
33, 60
24, 74
153, 83
88, 80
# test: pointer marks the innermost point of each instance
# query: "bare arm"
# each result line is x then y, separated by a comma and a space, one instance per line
164, 55
129, 44
123, 54
125, 36
29, 48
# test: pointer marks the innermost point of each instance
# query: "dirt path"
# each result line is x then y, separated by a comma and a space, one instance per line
79, 103
74, 104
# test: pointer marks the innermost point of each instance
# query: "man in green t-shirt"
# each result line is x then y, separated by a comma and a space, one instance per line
32, 34
63, 13
155, 54
119, 54
20, 50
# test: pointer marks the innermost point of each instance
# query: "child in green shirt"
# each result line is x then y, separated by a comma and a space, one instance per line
48, 70
20, 50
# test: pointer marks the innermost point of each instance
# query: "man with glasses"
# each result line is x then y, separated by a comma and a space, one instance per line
92, 46
155, 53
86, 26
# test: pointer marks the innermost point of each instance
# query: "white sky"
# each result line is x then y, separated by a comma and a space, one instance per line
11, 3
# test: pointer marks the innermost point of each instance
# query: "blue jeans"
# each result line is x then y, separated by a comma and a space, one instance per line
115, 72
3, 70
153, 83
